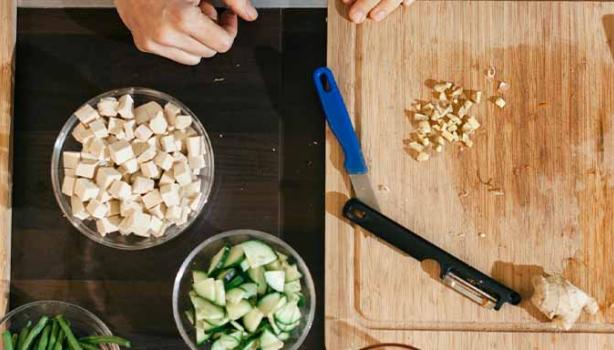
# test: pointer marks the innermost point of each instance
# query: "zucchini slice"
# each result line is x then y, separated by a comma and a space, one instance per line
268, 341
235, 256
257, 275
218, 260
205, 288
251, 321
204, 310
251, 289
258, 253
198, 275
238, 310
275, 280
235, 295
220, 293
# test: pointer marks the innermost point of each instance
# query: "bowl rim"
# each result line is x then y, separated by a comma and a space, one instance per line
310, 317
32, 304
79, 224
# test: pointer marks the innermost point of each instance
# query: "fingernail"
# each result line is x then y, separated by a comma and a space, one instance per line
252, 13
379, 15
357, 16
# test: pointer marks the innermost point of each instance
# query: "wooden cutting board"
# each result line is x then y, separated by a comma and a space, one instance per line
534, 194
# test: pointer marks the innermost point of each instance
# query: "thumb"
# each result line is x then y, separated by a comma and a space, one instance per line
243, 8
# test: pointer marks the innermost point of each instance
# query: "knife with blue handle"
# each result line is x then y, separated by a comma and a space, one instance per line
339, 122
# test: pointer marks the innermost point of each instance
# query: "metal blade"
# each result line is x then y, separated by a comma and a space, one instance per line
364, 190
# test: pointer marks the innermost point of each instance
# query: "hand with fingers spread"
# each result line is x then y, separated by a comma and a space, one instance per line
377, 10
183, 30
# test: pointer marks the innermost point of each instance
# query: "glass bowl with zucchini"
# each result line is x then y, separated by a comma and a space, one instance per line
56, 325
244, 290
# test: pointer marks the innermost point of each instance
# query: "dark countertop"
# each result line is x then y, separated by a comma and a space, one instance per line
262, 115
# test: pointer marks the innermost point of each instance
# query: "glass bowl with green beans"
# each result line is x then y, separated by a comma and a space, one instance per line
56, 325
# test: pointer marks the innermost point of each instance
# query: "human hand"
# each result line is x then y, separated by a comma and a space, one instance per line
183, 30
377, 10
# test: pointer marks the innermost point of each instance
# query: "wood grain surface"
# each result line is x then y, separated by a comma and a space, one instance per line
8, 23
535, 193
262, 115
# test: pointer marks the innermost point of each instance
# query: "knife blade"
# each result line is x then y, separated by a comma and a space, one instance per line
339, 122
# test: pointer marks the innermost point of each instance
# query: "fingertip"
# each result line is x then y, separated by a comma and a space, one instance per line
357, 15
377, 15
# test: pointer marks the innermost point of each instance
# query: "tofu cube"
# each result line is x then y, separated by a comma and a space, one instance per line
156, 227
164, 160
120, 190
185, 213
150, 170
97, 209
139, 146
88, 156
173, 213
86, 168
130, 166
105, 226
127, 207
144, 113
158, 210
170, 194
143, 132
68, 185
78, 209
129, 129
194, 202
191, 189
196, 163
168, 143
69, 172
96, 147
158, 124
113, 207
166, 178
99, 128
137, 223
193, 145
107, 106
86, 114
182, 122
120, 151
71, 159
147, 155
180, 157
106, 176
191, 132
152, 199
142, 185
116, 126
85, 189
182, 173
125, 107
103, 196
171, 111
82, 134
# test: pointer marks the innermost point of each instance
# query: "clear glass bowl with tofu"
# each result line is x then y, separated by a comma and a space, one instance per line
132, 194
196, 265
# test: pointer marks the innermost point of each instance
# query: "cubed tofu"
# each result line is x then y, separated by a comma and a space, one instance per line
182, 173
120, 190
130, 166
113, 207
69, 172
142, 185
182, 122
116, 126
171, 111
88, 156
168, 143
158, 124
185, 213
143, 132
103, 196
107, 225
193, 145
139, 146
85, 189
150, 170
151, 199
125, 107
144, 113
106, 176
70, 159
191, 189
107, 106
86, 114
86, 168
78, 209
170, 194
68, 185
137, 223
196, 163
121, 151
97, 209
156, 227
179, 157
173, 213
163, 160
96, 147
129, 130
127, 207
147, 155
82, 134
158, 210
195, 201
166, 178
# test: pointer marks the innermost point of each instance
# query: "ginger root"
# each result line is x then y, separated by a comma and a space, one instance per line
561, 301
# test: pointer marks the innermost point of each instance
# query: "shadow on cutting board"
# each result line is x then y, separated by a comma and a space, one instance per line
608, 27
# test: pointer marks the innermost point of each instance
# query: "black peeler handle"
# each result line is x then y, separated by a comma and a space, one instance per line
421, 249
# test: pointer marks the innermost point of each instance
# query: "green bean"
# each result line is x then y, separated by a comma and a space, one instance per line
73, 344
36, 330
23, 335
105, 339
44, 339
53, 336
7, 339
87, 346
59, 341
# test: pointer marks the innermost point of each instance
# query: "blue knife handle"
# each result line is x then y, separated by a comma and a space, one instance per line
339, 120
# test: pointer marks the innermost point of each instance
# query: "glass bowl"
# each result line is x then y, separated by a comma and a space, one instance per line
201, 256
65, 142
83, 322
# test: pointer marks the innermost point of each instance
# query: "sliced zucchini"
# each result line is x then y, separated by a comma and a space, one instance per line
271, 303
283, 336
288, 327
275, 280
236, 281
275, 265
288, 314
235, 256
258, 253
249, 345
218, 324
218, 260
217, 345
251, 289
238, 310
189, 314
204, 310
292, 287
227, 275
297, 298
251, 321
237, 326
220, 293
292, 273
257, 276
273, 324
244, 265
235, 295
198, 275
201, 336
205, 288
269, 341
228, 342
